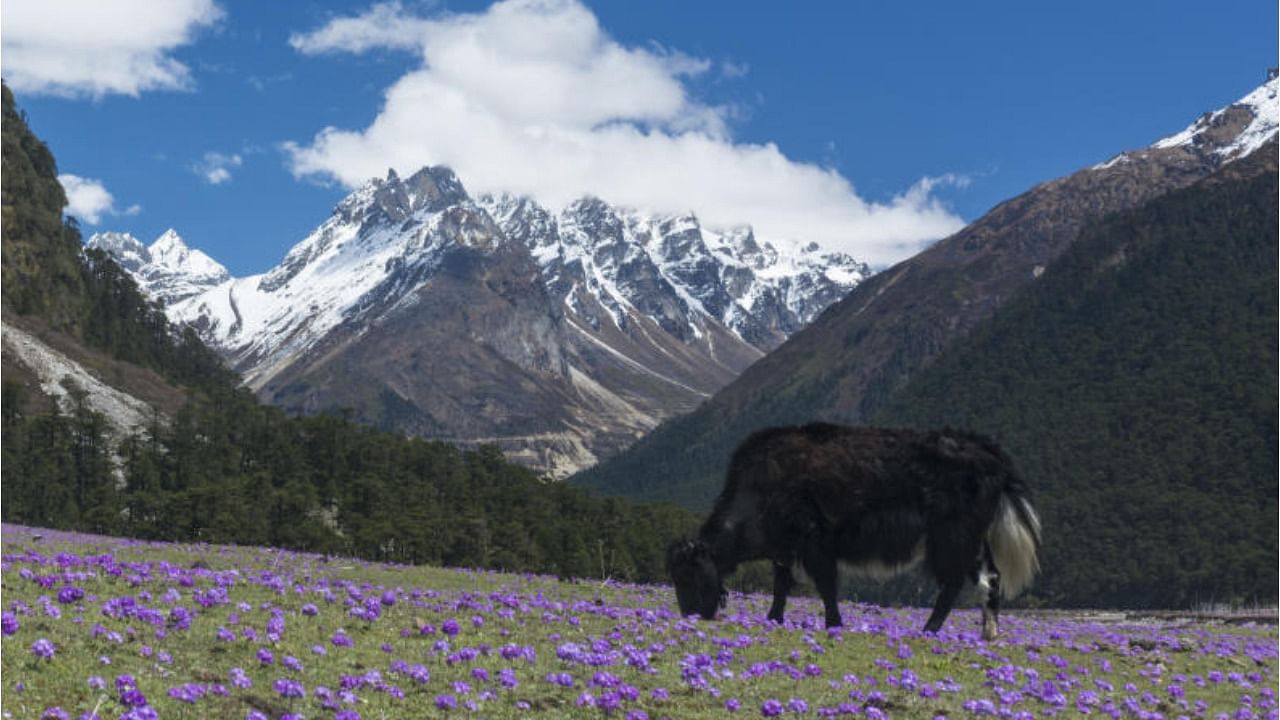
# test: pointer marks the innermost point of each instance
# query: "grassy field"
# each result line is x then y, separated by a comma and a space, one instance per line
116, 628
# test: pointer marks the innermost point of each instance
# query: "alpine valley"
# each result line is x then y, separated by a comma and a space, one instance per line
1114, 330
561, 337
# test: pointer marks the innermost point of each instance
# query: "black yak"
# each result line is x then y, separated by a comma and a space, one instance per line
879, 501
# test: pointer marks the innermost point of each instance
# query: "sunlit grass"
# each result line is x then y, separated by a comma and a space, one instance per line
506, 646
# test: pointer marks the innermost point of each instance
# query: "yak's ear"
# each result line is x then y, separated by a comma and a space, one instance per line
678, 553
686, 552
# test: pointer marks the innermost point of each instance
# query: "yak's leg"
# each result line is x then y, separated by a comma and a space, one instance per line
989, 578
942, 606
782, 582
821, 568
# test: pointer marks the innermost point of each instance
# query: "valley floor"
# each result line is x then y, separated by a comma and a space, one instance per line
130, 629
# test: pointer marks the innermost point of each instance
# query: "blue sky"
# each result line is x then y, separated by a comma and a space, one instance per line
870, 127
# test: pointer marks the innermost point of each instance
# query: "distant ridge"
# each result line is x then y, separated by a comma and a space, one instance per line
848, 364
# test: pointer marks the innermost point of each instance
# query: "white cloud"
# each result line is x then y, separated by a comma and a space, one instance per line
91, 48
216, 167
88, 199
533, 97
384, 26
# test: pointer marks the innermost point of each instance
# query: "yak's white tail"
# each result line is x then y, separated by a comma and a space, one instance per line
1015, 542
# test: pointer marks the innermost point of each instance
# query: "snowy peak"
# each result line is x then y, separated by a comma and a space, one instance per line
1236, 130
171, 253
127, 250
674, 270
1223, 135
168, 270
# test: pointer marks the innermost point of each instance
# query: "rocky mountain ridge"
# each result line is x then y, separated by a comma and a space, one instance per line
581, 329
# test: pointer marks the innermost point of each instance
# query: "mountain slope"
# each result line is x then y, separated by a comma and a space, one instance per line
850, 361
559, 336
87, 361
1136, 385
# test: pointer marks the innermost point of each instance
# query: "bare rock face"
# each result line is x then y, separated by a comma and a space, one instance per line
561, 337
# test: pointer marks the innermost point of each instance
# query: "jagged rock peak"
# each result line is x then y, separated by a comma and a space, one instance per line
126, 249
432, 188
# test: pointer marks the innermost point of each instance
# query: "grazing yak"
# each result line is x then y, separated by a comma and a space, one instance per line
879, 501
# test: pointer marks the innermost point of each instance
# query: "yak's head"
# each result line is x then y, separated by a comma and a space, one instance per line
696, 580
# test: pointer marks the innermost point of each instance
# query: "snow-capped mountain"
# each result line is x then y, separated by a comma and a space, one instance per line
674, 270
561, 336
1222, 135
168, 270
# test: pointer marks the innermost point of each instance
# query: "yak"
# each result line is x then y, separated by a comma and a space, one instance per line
878, 501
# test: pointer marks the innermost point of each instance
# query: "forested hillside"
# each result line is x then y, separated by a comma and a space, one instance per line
49, 277
225, 468
1135, 384
1134, 381
854, 357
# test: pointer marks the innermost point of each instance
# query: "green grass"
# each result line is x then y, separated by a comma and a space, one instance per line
880, 646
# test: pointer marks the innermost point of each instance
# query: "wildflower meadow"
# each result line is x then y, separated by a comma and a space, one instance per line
97, 627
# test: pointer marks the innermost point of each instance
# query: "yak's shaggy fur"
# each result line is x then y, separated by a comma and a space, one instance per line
878, 501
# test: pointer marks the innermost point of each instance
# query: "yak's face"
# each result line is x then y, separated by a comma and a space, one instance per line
696, 581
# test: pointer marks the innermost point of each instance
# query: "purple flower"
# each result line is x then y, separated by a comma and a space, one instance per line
292, 663
8, 623
133, 697
771, 708
69, 594
189, 693
265, 657
43, 648
446, 702
55, 713
310, 610
450, 627
287, 688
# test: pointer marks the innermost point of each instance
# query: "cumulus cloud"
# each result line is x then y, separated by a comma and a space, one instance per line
88, 199
90, 48
216, 167
534, 97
